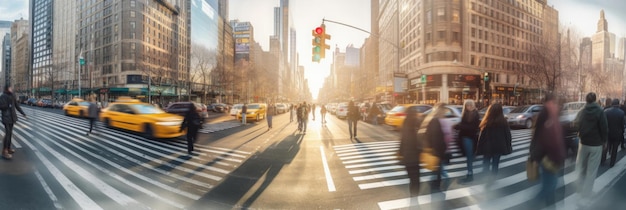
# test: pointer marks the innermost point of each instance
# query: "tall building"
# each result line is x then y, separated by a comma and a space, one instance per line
282, 32
290, 75
621, 48
613, 44
453, 43
601, 44
5, 28
42, 26
20, 57
6, 60
62, 75
369, 58
129, 43
206, 65
388, 47
223, 9
228, 56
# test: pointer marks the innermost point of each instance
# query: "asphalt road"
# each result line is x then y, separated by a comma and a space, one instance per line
250, 166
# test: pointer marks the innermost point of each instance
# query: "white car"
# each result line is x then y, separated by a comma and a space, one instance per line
236, 109
281, 108
452, 116
342, 110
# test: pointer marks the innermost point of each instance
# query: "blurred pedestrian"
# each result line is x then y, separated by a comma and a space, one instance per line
313, 111
323, 113
353, 118
593, 132
193, 123
547, 149
244, 110
468, 135
409, 151
92, 113
616, 122
292, 109
271, 111
374, 112
304, 114
299, 116
436, 139
8, 105
494, 140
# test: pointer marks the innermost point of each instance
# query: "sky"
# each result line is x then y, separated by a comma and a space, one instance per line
582, 15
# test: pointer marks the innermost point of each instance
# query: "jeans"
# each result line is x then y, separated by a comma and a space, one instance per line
494, 161
352, 127
375, 120
92, 122
269, 121
8, 135
304, 122
243, 118
587, 163
414, 179
546, 196
468, 145
611, 148
291, 116
192, 133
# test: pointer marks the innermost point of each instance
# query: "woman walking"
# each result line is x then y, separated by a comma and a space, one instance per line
468, 135
495, 139
548, 150
323, 113
435, 138
410, 150
192, 123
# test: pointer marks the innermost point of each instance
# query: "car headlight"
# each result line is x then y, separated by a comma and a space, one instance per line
175, 123
520, 116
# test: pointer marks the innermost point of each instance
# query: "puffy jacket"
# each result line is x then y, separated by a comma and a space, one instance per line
8, 105
592, 125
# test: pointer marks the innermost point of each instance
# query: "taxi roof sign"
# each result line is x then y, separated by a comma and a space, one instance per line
126, 99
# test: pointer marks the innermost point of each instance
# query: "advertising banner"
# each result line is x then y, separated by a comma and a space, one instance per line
399, 84
463, 80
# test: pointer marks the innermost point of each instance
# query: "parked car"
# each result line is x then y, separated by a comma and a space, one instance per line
45, 103
32, 102
567, 117
219, 108
342, 111
236, 109
180, 108
395, 117
452, 116
505, 110
524, 116
281, 108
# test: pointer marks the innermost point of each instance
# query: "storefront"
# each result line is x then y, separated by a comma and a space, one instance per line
462, 87
447, 88
513, 96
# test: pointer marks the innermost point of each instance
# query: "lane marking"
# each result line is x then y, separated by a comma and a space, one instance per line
45, 186
78, 195
329, 178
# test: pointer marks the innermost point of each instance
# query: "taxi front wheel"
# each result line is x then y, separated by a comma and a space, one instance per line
147, 131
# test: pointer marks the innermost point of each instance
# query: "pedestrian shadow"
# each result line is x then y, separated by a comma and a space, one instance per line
266, 164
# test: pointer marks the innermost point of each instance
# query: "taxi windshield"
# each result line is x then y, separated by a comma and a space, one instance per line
146, 109
253, 106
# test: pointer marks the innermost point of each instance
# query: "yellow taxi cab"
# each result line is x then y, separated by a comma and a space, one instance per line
76, 107
134, 115
255, 111
395, 117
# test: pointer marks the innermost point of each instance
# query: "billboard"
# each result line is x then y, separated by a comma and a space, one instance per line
399, 84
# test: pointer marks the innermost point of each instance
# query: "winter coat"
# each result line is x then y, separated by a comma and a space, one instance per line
410, 147
374, 111
547, 140
323, 110
271, 110
615, 120
495, 140
435, 135
592, 125
468, 128
353, 113
92, 110
8, 105
192, 120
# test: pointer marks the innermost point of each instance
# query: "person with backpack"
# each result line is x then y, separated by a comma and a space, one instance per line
192, 122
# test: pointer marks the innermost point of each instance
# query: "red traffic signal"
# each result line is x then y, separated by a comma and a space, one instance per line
319, 30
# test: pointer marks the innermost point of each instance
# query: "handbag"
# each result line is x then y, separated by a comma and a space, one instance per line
532, 170
429, 160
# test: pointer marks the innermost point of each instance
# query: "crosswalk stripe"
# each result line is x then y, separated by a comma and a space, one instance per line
366, 152
79, 196
117, 166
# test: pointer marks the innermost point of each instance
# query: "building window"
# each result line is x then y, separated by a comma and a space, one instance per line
442, 35
132, 3
132, 13
455, 36
441, 13
428, 37
132, 24
429, 17
455, 16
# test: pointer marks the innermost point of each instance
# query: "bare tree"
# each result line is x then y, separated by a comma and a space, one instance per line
203, 62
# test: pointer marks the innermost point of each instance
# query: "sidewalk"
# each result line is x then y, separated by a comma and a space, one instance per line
614, 196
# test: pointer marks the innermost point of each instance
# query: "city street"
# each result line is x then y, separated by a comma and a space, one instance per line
57, 166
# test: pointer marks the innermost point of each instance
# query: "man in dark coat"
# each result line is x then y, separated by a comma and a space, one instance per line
410, 150
353, 118
593, 132
615, 120
192, 122
8, 105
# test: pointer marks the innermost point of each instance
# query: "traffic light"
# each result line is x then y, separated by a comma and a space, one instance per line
319, 43
486, 77
487, 81
423, 79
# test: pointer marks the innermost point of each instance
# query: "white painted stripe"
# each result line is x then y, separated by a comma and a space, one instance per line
45, 186
144, 178
167, 156
368, 152
125, 181
16, 144
329, 179
79, 196
369, 160
369, 170
368, 155
145, 164
366, 149
103, 187
365, 144
372, 164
